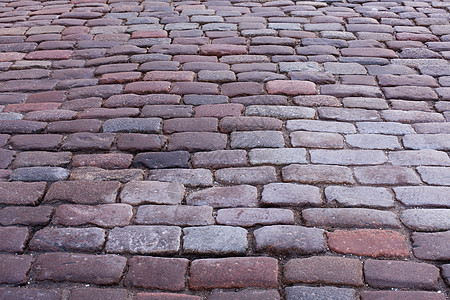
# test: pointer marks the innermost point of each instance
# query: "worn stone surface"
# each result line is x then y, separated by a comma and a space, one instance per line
248, 217
319, 293
235, 196
350, 218
291, 194
323, 269
431, 246
68, 239
83, 192
223, 141
236, 272
136, 193
368, 242
167, 273
216, 240
426, 219
144, 240
104, 215
400, 274
289, 239
101, 269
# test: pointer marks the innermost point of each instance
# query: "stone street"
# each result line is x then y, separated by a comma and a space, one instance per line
224, 149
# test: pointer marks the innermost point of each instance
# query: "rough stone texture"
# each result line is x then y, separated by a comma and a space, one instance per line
68, 239
426, 219
246, 294
235, 272
248, 217
136, 193
83, 192
323, 269
388, 175
21, 193
104, 215
216, 240
425, 196
431, 246
435, 175
400, 274
348, 157
191, 130
29, 293
179, 215
13, 238
234, 196
319, 293
144, 240
359, 196
391, 295
197, 177
317, 174
167, 273
290, 194
290, 239
40, 174
32, 216
98, 293
350, 218
252, 175
368, 242
277, 156
14, 268
98, 269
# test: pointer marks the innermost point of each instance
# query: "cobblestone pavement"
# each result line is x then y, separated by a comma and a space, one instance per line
254, 150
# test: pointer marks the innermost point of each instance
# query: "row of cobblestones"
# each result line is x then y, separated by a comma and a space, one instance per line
224, 149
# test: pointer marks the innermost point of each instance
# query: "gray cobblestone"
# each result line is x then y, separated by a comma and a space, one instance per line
277, 156
216, 240
257, 139
425, 196
359, 196
291, 194
426, 219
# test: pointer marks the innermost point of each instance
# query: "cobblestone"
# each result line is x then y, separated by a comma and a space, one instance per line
400, 274
144, 240
171, 273
316, 269
215, 240
307, 138
289, 239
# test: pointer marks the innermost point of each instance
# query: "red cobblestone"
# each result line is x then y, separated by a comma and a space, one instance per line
233, 273
291, 87
368, 242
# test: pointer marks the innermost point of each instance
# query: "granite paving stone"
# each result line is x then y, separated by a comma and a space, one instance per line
39, 174
215, 149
